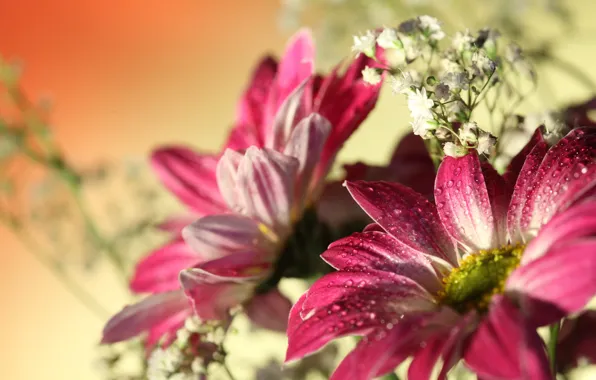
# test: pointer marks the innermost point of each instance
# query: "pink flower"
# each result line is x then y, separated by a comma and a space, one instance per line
278, 98
471, 277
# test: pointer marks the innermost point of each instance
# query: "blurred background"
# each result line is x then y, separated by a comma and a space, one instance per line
114, 79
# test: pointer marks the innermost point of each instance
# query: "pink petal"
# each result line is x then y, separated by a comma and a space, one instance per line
565, 174
305, 144
524, 187
250, 119
382, 351
190, 176
517, 163
464, 205
576, 222
379, 353
246, 265
424, 361
175, 224
506, 347
158, 272
577, 341
294, 68
269, 310
212, 296
345, 101
406, 215
379, 250
266, 179
345, 303
144, 315
227, 179
563, 278
165, 332
372, 290
214, 236
295, 108
499, 193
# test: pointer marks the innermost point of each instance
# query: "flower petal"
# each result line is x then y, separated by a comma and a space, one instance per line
564, 175
576, 222
506, 347
144, 315
294, 109
517, 163
158, 272
215, 236
295, 67
190, 176
269, 310
250, 123
212, 296
372, 291
345, 100
379, 250
305, 144
266, 180
345, 303
406, 215
463, 203
175, 224
563, 278
227, 179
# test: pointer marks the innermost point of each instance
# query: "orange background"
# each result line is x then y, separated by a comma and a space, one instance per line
124, 76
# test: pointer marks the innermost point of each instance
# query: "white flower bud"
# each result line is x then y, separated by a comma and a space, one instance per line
388, 39
365, 44
371, 75
453, 150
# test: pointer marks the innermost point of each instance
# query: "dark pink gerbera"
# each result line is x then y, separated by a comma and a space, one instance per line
470, 276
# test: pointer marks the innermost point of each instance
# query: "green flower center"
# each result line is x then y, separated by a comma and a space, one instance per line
479, 277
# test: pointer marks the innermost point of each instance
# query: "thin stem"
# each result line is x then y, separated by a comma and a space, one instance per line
228, 372
391, 376
77, 291
552, 345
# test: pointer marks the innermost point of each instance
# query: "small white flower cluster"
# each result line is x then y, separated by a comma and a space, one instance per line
187, 357
444, 85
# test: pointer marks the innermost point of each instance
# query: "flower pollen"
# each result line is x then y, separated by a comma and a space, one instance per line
479, 277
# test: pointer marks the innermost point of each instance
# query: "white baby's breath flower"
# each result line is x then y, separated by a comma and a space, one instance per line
192, 324
365, 44
420, 104
432, 27
388, 39
163, 362
468, 132
442, 91
456, 80
462, 41
421, 126
402, 83
454, 150
371, 75
482, 62
485, 143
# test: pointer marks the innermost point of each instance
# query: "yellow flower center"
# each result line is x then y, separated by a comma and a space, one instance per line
479, 277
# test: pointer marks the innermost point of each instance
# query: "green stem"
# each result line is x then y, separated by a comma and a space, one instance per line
391, 376
552, 345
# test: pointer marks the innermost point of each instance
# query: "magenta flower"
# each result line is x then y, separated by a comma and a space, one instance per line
278, 98
471, 277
